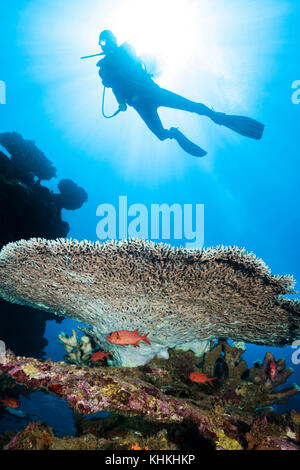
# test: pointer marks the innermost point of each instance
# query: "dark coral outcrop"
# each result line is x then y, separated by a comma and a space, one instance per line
27, 209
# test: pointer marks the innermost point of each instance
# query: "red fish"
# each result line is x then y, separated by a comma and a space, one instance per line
10, 402
270, 370
137, 447
125, 337
99, 356
200, 378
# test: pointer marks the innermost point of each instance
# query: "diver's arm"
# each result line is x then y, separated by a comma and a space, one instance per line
108, 83
123, 107
120, 99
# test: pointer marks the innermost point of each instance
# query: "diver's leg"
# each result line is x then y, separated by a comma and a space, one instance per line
169, 99
152, 120
242, 125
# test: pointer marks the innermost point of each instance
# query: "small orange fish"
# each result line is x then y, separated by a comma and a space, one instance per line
136, 447
10, 402
99, 356
200, 378
125, 337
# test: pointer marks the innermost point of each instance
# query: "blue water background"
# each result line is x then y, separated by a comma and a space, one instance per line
250, 190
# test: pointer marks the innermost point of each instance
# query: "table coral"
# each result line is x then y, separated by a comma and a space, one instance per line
177, 295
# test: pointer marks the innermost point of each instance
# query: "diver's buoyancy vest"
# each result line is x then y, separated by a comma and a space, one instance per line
123, 71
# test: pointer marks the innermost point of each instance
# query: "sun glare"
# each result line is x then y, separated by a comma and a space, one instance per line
164, 29
213, 51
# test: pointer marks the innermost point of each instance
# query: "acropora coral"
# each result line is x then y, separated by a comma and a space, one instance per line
177, 295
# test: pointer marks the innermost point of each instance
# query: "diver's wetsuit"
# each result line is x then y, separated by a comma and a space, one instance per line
124, 72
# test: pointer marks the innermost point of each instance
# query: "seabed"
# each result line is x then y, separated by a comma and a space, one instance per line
157, 406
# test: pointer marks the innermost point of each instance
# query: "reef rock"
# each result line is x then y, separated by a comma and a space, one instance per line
36, 436
90, 390
143, 417
29, 209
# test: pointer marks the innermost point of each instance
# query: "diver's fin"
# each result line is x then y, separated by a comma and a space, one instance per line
186, 144
242, 125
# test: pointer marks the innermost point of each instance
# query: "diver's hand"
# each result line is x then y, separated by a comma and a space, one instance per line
122, 107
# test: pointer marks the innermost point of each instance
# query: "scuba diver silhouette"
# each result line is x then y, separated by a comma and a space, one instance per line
123, 71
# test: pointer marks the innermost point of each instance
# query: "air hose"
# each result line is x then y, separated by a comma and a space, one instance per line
103, 113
